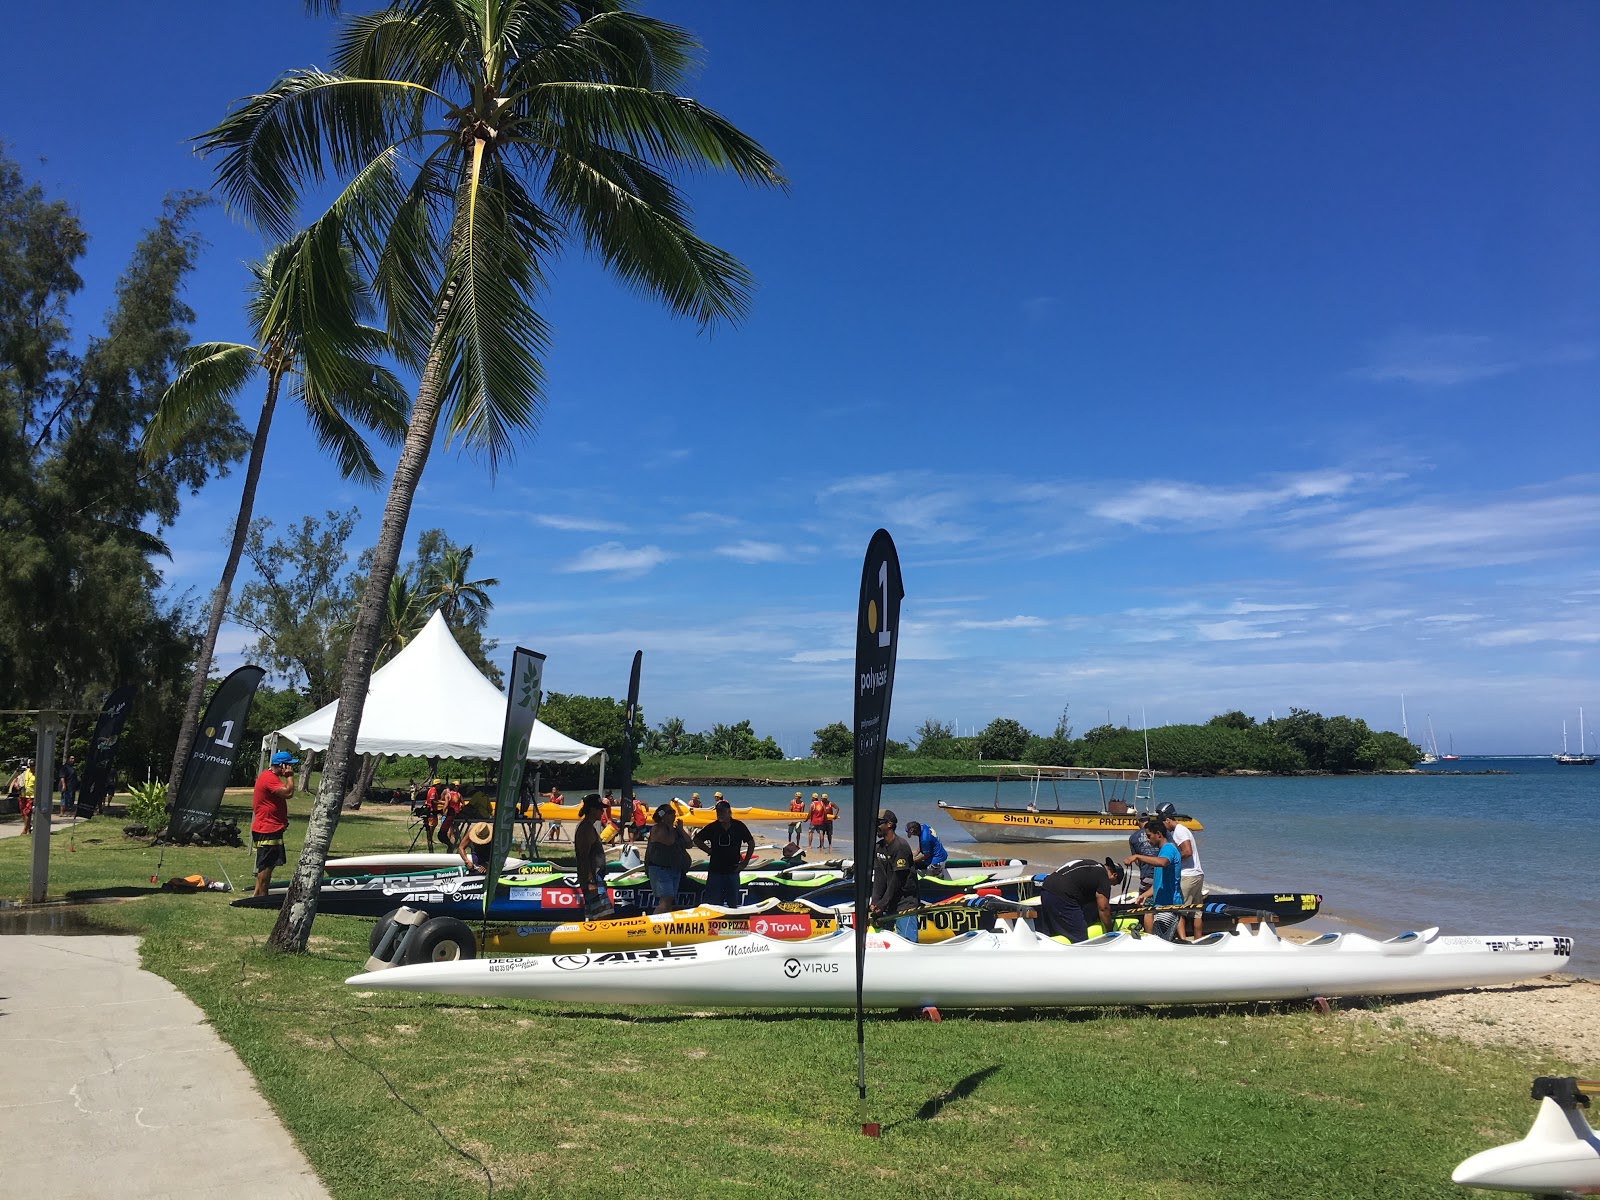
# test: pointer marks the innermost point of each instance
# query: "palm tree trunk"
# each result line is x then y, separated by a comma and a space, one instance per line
219, 602
369, 768
293, 928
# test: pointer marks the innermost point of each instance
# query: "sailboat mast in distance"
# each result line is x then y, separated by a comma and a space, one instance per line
1580, 759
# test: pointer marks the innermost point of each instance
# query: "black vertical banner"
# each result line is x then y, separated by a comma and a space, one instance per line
628, 720
877, 639
216, 746
94, 785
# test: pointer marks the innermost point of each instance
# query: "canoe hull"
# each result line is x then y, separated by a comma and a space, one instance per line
1003, 969
1017, 825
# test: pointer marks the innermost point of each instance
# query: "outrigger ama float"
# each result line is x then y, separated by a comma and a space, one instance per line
1123, 798
1009, 967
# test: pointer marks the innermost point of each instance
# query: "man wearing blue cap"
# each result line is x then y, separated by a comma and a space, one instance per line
269, 807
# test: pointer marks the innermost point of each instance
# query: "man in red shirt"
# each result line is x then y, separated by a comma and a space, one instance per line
269, 806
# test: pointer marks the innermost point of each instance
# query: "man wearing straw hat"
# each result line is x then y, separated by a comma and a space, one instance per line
475, 846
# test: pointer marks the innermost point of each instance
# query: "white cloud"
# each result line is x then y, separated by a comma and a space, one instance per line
1436, 360
1235, 631
1017, 622
749, 551
1177, 503
1466, 535
614, 556
576, 524
1442, 360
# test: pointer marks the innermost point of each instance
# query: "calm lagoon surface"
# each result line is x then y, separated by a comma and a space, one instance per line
1449, 846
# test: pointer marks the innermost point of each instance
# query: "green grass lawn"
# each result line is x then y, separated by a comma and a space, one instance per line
1258, 1101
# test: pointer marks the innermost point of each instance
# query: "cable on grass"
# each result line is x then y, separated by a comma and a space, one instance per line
364, 1015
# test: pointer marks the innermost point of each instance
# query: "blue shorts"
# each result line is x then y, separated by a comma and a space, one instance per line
664, 883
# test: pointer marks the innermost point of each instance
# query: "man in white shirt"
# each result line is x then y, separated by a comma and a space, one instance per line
1193, 878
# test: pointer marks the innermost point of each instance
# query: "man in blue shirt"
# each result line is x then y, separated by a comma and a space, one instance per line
928, 853
1164, 890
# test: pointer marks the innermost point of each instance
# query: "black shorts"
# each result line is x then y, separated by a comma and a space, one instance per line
269, 850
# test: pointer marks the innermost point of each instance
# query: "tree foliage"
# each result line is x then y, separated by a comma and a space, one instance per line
80, 514
592, 720
301, 600
833, 741
1003, 740
738, 741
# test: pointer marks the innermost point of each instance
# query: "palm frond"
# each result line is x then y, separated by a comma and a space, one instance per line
614, 44
497, 339
408, 261
210, 375
391, 44
676, 131
644, 238
274, 144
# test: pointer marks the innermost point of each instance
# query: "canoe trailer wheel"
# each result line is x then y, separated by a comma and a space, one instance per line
443, 939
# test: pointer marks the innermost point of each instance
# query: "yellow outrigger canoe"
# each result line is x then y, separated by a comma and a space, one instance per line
1124, 800
690, 818
790, 920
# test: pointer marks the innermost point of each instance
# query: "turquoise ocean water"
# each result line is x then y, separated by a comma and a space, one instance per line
1511, 852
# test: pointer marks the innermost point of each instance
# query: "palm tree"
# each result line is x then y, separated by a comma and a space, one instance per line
447, 588
306, 304
471, 140
405, 613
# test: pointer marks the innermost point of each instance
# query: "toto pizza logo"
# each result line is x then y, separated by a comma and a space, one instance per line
791, 968
571, 962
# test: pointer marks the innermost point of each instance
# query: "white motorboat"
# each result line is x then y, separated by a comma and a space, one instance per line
1008, 967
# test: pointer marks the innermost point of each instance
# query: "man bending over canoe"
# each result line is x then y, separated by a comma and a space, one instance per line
1078, 894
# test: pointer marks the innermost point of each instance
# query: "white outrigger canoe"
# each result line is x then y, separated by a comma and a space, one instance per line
1559, 1157
1008, 967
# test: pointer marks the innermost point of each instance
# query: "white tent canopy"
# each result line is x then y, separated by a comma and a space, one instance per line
430, 699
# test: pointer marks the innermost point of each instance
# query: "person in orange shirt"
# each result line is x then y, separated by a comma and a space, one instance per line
452, 814
830, 812
798, 807
817, 814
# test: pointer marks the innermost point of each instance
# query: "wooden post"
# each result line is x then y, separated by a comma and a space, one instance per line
44, 771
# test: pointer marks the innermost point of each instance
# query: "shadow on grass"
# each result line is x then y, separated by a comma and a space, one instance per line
936, 1104
129, 892
998, 1016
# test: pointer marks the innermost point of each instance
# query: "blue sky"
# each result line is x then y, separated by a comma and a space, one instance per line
1197, 357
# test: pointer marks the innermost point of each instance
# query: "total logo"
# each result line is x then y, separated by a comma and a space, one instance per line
794, 968
795, 925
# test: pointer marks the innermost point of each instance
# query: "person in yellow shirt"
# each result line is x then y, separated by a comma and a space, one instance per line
26, 806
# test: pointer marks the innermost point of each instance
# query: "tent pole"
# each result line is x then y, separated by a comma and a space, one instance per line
601, 786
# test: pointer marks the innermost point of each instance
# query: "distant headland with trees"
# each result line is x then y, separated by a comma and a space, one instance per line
1231, 743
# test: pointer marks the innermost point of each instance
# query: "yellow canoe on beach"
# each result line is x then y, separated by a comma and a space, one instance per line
789, 920
692, 818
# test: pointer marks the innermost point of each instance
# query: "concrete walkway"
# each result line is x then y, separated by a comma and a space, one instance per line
58, 824
114, 1085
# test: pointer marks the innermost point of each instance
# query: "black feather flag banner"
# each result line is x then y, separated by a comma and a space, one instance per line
877, 639
216, 748
522, 710
101, 769
629, 718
